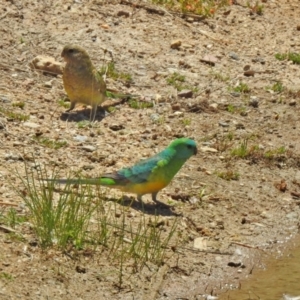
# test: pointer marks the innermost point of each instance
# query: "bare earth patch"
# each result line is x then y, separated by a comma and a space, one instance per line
237, 201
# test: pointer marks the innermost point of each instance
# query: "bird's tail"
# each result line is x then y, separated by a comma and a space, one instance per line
113, 95
90, 181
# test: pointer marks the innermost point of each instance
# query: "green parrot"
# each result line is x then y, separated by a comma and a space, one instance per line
148, 176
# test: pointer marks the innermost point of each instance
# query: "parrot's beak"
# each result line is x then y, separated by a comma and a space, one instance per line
195, 151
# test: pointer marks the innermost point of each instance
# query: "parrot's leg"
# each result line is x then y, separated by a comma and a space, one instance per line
93, 112
154, 197
161, 204
71, 107
139, 197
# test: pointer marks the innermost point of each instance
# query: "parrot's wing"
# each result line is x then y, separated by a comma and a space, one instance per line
141, 172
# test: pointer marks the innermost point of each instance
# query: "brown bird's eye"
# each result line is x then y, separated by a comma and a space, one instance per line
71, 50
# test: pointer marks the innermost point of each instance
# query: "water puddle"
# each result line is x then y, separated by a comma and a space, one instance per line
281, 280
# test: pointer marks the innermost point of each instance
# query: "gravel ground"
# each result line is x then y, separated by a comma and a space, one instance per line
233, 212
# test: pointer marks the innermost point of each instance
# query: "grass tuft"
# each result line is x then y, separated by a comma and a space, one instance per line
277, 87
13, 115
241, 88
199, 7
78, 217
20, 104
229, 175
292, 56
53, 144
62, 103
178, 82
139, 104
111, 72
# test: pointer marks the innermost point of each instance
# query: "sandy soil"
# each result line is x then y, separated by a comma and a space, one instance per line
241, 219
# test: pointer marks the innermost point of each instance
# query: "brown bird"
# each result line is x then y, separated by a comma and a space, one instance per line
82, 82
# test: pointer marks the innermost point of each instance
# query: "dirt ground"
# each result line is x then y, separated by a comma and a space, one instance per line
241, 209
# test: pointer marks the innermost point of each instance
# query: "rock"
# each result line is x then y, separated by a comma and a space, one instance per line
186, 46
105, 26
31, 125
154, 117
281, 186
118, 214
80, 269
235, 264
292, 215
13, 156
194, 200
233, 56
88, 148
223, 124
176, 106
178, 113
213, 225
220, 224
80, 138
214, 105
88, 167
185, 94
47, 64
124, 13
131, 215
210, 297
4, 99
159, 98
249, 73
292, 102
209, 59
240, 126
96, 157
259, 60
253, 101
3, 122
48, 84
176, 44
140, 73
200, 243
48, 97
208, 149
235, 94
190, 19
168, 128
116, 127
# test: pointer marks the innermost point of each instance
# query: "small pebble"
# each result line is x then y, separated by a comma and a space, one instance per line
176, 44
224, 124
89, 148
185, 94
234, 56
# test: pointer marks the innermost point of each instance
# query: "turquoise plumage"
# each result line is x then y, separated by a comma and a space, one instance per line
147, 176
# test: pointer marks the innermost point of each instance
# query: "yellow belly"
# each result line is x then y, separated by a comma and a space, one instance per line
145, 188
83, 87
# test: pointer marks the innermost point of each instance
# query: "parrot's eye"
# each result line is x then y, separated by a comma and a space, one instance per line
190, 146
